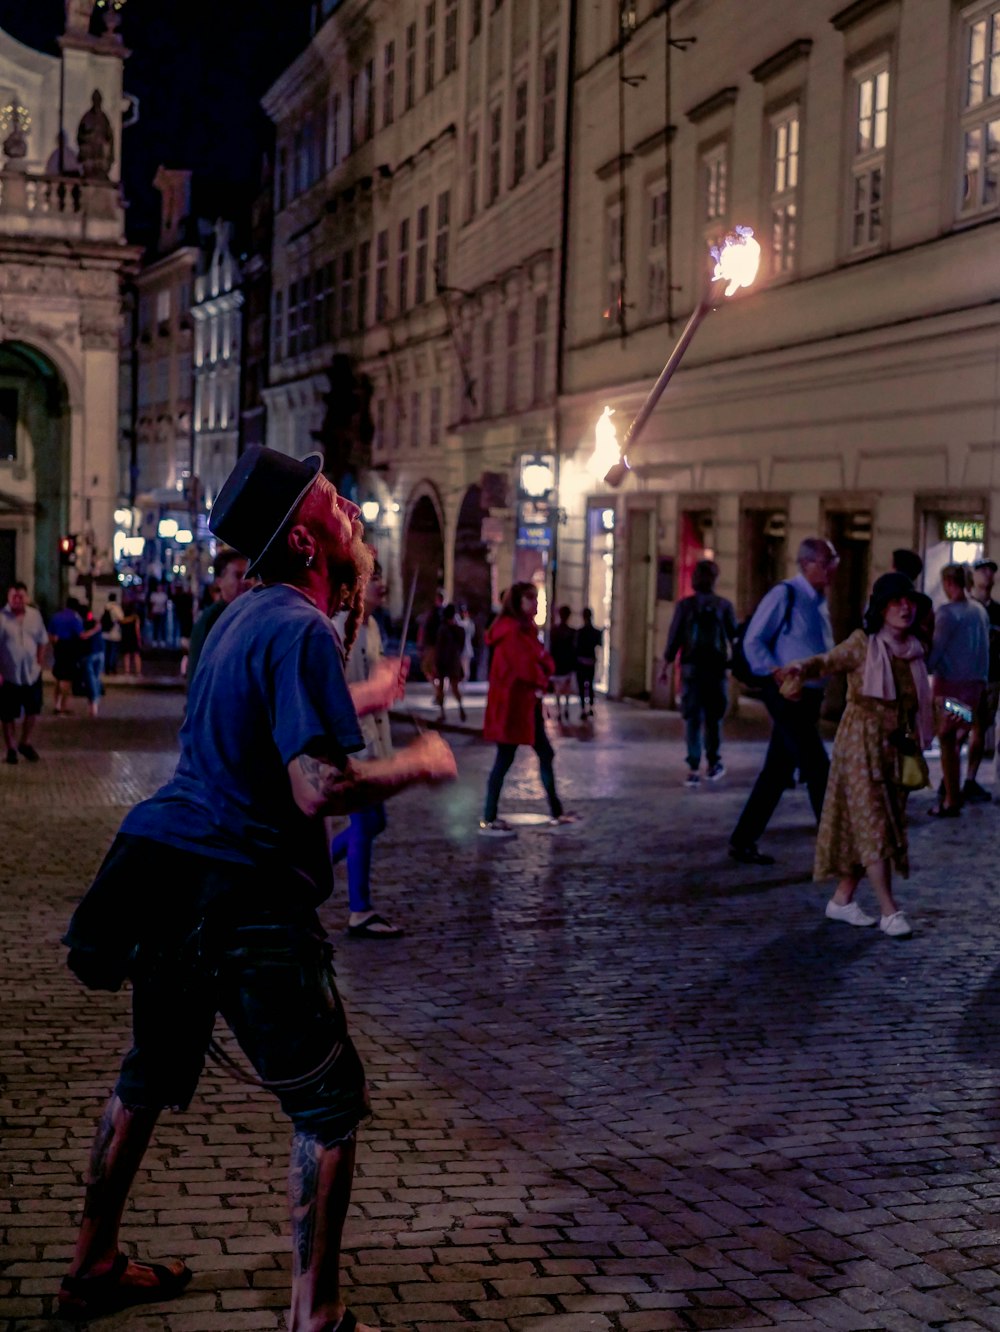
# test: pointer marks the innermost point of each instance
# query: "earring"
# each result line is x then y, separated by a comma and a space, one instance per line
310, 561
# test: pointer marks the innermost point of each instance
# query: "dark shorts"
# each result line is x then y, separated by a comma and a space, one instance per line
267, 970
15, 699
65, 655
987, 711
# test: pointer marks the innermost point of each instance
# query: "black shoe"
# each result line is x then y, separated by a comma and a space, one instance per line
749, 855
11, 755
29, 752
974, 794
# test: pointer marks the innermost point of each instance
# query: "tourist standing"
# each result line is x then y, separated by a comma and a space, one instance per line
589, 640
23, 641
448, 660
65, 628
959, 660
562, 645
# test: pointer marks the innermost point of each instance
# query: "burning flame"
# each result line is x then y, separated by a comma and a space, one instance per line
606, 451
736, 259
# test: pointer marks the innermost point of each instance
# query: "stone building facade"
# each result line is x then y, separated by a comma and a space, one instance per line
217, 317
62, 255
853, 391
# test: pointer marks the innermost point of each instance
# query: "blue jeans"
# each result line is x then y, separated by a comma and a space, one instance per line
355, 845
505, 757
703, 705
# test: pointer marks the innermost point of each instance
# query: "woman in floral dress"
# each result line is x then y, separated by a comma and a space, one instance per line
863, 825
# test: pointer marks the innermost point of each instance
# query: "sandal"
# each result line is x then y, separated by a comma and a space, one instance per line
86, 1297
347, 1323
366, 929
945, 811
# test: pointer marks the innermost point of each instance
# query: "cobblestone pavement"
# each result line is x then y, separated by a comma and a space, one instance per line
621, 1083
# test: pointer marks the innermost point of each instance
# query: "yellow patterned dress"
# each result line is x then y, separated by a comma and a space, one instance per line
864, 811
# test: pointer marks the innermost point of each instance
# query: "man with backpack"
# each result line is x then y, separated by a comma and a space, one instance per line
791, 622
701, 631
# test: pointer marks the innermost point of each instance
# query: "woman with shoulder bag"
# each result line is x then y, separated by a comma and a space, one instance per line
877, 753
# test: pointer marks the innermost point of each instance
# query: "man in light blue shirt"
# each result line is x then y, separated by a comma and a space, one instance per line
791, 622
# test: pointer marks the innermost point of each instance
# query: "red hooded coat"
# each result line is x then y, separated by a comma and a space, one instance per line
520, 668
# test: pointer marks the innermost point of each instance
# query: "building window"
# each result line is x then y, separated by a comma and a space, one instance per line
496, 143
715, 186
538, 349
450, 36
868, 168
420, 260
368, 98
547, 120
346, 293
333, 131
415, 419
306, 334
163, 305
476, 10
293, 319
410, 95
381, 275
510, 399
389, 83
487, 375
430, 44
658, 220
434, 424
472, 176
364, 266
784, 189
441, 240
614, 265
980, 122
520, 144
278, 326
281, 190
403, 268
352, 113
320, 331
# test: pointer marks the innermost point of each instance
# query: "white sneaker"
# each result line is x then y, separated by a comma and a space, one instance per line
692, 781
851, 914
896, 926
498, 828
562, 822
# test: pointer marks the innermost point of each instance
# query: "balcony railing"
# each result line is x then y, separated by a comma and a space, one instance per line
63, 207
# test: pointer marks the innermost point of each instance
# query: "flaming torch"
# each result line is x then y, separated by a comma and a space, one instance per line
736, 263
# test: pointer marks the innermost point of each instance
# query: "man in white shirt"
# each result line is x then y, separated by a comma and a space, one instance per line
23, 640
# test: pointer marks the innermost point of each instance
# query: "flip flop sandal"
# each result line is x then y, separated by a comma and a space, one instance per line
365, 931
945, 812
81, 1298
347, 1324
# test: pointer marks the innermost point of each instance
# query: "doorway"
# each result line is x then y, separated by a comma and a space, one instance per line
955, 534
600, 582
762, 554
851, 533
697, 542
8, 559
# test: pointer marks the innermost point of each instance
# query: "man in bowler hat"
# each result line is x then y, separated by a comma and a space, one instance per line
232, 858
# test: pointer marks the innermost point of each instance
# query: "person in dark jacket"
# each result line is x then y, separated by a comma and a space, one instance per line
448, 659
520, 670
701, 632
562, 642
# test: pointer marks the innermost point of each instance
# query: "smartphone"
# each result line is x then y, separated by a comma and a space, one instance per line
960, 710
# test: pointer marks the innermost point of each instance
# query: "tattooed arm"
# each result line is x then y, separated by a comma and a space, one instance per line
320, 787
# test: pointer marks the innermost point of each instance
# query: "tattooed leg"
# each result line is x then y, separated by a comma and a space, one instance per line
122, 1138
319, 1191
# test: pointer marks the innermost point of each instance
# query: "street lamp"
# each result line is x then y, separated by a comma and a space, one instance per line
370, 511
168, 528
737, 259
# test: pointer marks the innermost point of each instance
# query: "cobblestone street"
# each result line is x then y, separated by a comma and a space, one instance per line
621, 1083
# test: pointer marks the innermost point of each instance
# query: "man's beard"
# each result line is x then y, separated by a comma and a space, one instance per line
349, 571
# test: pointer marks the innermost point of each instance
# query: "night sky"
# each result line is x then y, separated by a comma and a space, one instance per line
199, 68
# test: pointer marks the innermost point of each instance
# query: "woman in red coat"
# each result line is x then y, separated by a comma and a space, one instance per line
519, 675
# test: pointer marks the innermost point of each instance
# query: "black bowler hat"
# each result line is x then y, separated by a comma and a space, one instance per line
986, 564
259, 498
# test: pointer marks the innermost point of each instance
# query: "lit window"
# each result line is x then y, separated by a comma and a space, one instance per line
784, 189
658, 221
868, 167
980, 119
614, 266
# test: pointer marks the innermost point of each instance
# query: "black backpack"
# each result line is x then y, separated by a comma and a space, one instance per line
740, 667
707, 645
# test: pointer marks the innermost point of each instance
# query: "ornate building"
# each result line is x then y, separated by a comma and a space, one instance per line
217, 317
62, 254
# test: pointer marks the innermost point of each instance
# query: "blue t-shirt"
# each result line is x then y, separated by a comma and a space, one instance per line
65, 624
270, 686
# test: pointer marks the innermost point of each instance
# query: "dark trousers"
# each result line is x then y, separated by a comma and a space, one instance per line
501, 766
703, 705
795, 744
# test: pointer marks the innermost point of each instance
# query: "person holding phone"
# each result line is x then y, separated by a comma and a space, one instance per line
959, 660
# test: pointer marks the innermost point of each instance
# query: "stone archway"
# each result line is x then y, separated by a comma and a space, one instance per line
472, 569
423, 556
35, 441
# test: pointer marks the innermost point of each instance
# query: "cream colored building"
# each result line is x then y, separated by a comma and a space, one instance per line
217, 318
417, 230
62, 251
855, 390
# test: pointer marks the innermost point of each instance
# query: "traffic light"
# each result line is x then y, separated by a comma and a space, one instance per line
67, 550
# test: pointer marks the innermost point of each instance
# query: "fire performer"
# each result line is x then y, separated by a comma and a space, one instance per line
207, 899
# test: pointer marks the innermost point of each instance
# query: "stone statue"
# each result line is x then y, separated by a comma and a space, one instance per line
78, 14
95, 141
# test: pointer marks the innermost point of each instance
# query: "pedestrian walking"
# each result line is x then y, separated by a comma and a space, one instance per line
448, 660
959, 660
111, 628
132, 637
90, 663
520, 670
889, 717
589, 640
158, 603
23, 641
231, 579
982, 740
65, 628
232, 859
468, 627
355, 842
701, 632
562, 645
791, 623
427, 635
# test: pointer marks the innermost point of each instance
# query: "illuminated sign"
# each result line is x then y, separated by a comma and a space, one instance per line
964, 529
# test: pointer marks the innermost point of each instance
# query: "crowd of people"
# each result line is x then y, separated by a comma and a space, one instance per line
914, 675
